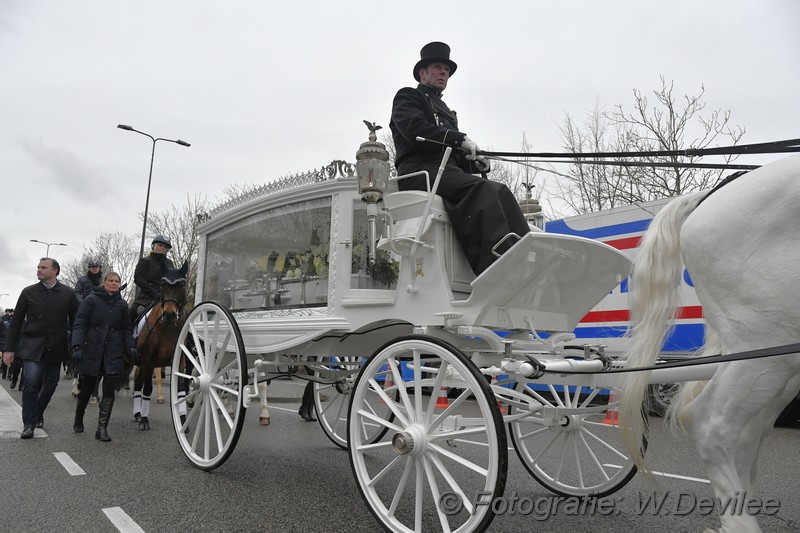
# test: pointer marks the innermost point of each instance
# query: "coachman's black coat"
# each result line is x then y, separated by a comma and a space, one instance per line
103, 331
481, 211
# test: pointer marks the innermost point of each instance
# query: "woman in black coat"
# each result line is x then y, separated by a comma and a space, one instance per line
101, 337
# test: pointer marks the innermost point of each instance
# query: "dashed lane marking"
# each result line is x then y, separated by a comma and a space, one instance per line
122, 521
68, 464
674, 476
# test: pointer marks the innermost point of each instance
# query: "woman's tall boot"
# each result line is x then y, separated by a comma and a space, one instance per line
80, 409
106, 404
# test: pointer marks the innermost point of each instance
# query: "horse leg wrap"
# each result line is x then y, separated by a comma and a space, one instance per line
137, 403
145, 406
181, 404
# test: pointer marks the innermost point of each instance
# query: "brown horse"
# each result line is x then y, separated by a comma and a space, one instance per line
157, 340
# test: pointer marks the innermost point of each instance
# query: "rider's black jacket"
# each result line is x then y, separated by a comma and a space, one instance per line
149, 271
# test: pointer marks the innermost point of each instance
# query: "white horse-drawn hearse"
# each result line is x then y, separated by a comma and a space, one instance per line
420, 369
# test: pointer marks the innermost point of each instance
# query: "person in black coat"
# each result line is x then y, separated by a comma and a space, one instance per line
90, 281
101, 338
481, 211
147, 277
47, 310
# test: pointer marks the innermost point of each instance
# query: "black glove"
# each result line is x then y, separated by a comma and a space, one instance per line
134, 353
482, 165
77, 355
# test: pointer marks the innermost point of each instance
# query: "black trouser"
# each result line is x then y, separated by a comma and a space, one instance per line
481, 211
87, 385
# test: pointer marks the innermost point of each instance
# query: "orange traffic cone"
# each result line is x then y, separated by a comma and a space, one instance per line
612, 417
442, 402
503, 410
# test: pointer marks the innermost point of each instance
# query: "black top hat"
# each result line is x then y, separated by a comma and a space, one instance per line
432, 53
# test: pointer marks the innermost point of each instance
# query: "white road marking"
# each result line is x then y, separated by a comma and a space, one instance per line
674, 476
122, 521
283, 409
68, 464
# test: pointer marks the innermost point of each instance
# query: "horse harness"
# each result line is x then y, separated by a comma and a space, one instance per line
163, 300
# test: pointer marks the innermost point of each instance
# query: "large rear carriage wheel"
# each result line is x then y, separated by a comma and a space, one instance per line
211, 359
440, 453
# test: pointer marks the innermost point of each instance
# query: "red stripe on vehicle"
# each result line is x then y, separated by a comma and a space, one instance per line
623, 315
624, 244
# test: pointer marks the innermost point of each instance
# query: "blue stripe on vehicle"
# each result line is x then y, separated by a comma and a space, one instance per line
637, 226
684, 337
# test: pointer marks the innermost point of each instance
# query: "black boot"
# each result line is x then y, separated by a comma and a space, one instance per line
306, 410
80, 409
106, 404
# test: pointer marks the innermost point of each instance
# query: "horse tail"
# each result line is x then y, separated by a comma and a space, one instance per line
655, 283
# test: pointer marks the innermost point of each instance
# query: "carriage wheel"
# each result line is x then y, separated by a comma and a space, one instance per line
332, 401
572, 446
439, 459
208, 419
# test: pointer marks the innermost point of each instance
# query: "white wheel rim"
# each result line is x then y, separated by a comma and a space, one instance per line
214, 409
404, 476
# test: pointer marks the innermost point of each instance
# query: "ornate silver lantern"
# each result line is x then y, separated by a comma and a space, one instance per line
372, 169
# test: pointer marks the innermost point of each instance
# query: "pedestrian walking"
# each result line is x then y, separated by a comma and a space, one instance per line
101, 339
47, 309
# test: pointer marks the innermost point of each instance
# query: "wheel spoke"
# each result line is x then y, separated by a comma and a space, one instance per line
389, 402
434, 487
460, 460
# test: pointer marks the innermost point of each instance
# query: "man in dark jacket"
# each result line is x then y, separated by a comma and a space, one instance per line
90, 281
149, 271
481, 211
5, 325
48, 309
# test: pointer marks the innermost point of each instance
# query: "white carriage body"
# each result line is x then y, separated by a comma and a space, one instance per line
317, 222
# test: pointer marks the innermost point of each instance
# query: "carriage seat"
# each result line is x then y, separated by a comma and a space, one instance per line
406, 208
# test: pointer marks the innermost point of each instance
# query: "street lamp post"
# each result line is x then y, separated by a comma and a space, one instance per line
49, 244
150, 176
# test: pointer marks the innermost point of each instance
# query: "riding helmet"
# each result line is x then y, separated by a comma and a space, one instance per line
163, 239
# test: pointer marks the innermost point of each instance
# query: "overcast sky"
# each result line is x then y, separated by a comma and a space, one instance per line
263, 89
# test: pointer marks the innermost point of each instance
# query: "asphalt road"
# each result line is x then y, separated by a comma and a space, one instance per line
289, 477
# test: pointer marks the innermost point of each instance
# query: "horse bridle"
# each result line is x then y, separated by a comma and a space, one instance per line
178, 304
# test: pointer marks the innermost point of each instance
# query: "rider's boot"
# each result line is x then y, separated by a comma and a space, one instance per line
106, 404
80, 409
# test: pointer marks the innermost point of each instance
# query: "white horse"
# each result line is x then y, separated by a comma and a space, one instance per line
741, 247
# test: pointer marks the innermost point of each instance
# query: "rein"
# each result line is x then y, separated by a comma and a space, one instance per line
785, 349
772, 147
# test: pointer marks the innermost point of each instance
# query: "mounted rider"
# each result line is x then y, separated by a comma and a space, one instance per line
149, 271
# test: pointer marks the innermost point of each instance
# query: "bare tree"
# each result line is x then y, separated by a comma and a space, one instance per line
116, 252
180, 225
669, 124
